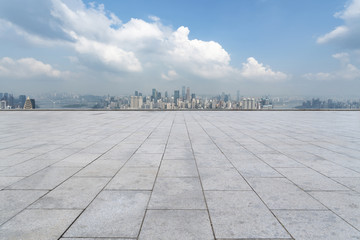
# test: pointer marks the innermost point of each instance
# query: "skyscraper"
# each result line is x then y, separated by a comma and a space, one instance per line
154, 95
183, 92
176, 96
28, 105
188, 96
22, 99
32, 103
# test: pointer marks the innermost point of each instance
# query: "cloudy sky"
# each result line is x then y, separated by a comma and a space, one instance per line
259, 47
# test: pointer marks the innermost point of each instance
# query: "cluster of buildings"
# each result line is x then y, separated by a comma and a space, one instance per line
175, 100
8, 101
187, 100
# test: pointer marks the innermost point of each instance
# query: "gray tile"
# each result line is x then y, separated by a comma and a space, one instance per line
279, 160
352, 183
178, 154
15, 159
49, 224
316, 225
77, 192
345, 204
331, 169
145, 160
176, 224
159, 148
77, 160
308, 179
7, 181
255, 168
242, 215
97, 238
280, 193
48, 178
133, 179
26, 168
112, 214
177, 193
14, 201
101, 168
222, 179
178, 168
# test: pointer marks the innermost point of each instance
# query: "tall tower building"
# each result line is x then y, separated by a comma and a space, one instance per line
183, 92
176, 96
28, 105
154, 95
22, 99
188, 96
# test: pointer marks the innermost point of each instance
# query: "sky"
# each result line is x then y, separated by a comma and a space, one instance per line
259, 47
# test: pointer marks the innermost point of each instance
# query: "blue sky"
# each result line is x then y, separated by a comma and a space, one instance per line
276, 47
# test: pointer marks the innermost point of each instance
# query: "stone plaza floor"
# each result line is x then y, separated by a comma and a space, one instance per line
179, 175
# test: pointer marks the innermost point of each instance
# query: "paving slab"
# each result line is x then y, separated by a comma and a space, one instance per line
145, 160
177, 193
242, 215
279, 160
49, 224
133, 179
222, 179
26, 168
345, 204
280, 193
255, 168
309, 179
77, 192
7, 181
48, 178
178, 168
112, 214
352, 183
77, 160
101, 168
176, 224
14, 201
316, 225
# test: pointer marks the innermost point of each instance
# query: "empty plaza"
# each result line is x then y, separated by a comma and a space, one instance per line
179, 175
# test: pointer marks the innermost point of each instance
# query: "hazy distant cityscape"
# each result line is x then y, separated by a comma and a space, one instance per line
177, 99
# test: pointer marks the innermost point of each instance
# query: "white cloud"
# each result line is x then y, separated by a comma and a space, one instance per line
27, 68
346, 35
254, 70
347, 70
110, 55
171, 75
99, 38
338, 32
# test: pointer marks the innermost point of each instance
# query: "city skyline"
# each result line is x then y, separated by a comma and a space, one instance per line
261, 47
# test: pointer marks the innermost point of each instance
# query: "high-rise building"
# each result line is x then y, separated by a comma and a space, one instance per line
176, 97
238, 96
2, 104
166, 94
188, 96
22, 99
136, 102
183, 92
28, 104
154, 95
136, 93
32, 103
193, 96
